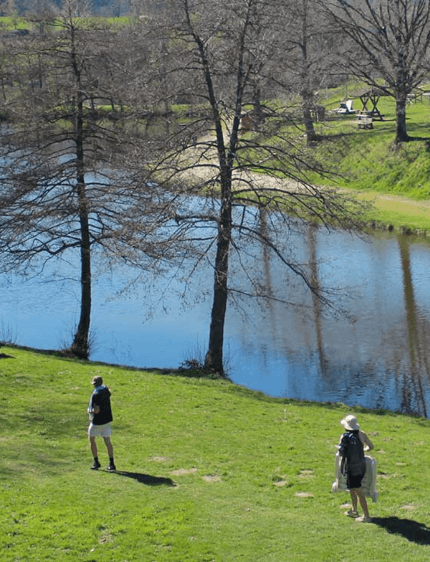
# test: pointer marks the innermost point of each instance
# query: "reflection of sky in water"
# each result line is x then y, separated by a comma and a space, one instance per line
272, 348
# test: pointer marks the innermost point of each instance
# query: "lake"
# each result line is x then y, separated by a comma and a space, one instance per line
377, 355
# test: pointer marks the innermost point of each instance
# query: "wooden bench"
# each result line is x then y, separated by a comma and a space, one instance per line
364, 121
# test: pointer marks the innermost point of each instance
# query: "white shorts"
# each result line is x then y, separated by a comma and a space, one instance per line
100, 430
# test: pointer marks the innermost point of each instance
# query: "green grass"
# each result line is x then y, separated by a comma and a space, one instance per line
14, 22
367, 161
395, 178
210, 471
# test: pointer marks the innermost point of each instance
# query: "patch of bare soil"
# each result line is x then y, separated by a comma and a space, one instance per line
212, 478
304, 495
280, 483
182, 471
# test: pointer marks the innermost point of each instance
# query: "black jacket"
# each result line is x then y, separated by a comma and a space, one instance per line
101, 398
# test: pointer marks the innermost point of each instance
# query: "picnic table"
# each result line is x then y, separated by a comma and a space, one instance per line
365, 120
372, 97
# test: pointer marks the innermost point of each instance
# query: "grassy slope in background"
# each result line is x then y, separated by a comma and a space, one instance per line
210, 472
368, 162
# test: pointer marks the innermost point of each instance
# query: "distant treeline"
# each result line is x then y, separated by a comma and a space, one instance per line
96, 7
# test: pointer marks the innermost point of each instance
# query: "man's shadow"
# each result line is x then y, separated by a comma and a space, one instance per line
147, 478
411, 530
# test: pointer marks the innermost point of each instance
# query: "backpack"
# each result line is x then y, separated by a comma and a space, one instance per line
351, 451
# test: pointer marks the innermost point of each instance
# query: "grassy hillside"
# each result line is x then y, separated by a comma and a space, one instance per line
207, 471
397, 179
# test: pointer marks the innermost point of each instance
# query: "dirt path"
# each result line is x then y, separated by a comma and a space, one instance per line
405, 214
420, 205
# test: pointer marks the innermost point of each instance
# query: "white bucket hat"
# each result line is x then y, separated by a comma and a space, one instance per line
350, 423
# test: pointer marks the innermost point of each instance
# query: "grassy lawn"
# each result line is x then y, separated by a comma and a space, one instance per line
207, 471
367, 161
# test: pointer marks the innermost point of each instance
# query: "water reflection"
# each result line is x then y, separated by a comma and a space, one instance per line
379, 361
316, 303
418, 338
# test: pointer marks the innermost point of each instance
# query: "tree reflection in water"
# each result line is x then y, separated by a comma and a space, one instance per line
383, 358
418, 332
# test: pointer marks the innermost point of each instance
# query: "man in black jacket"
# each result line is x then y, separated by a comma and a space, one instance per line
100, 412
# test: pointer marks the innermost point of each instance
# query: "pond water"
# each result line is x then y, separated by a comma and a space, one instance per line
377, 356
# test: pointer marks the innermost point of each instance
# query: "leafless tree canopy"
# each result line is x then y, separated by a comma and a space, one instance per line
219, 58
72, 165
390, 41
163, 139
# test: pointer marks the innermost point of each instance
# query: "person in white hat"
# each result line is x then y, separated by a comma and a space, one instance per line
355, 468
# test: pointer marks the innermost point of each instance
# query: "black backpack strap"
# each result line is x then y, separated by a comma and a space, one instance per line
343, 449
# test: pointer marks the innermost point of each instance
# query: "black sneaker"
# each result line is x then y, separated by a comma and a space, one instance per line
96, 465
111, 468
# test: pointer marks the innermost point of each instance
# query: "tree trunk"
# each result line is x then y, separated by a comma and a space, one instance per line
214, 361
311, 135
214, 356
401, 133
306, 89
80, 346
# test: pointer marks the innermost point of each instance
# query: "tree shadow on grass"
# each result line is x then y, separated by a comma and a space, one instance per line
147, 479
411, 530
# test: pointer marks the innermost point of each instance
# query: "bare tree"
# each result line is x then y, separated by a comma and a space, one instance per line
69, 179
391, 39
220, 51
307, 57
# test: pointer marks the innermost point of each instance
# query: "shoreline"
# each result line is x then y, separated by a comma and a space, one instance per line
194, 374
389, 213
